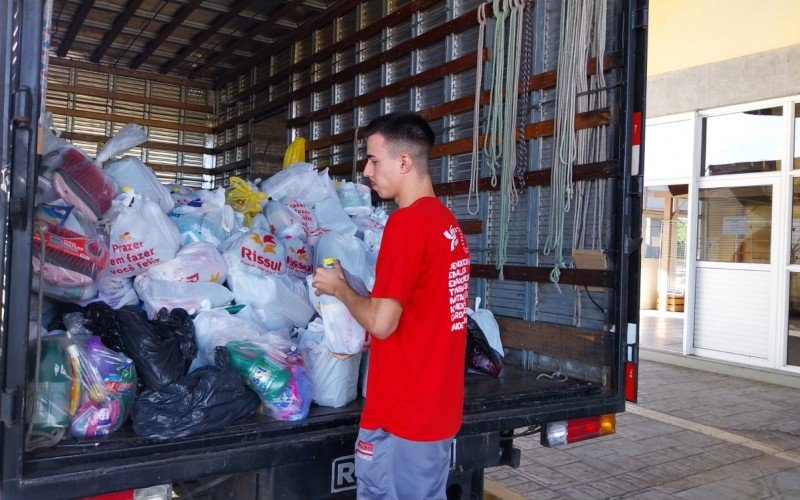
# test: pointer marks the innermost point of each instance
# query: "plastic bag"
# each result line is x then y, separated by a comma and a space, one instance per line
205, 223
245, 198
116, 292
255, 251
335, 380
210, 398
194, 262
49, 410
343, 334
192, 296
480, 355
141, 236
82, 184
162, 349
299, 182
117, 375
127, 138
488, 325
295, 400
330, 215
263, 373
268, 320
273, 294
71, 258
101, 321
356, 198
75, 293
284, 222
295, 152
299, 257
218, 327
132, 172
350, 251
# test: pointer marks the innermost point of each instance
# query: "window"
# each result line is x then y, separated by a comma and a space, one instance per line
735, 224
793, 334
797, 135
737, 143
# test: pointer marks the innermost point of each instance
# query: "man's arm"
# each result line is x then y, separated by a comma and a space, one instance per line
379, 316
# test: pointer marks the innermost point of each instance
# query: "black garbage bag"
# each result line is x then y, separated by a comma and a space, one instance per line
480, 355
209, 398
162, 349
103, 323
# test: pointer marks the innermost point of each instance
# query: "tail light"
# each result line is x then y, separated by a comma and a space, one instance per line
579, 429
158, 492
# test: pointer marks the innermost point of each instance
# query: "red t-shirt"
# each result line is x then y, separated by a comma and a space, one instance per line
415, 387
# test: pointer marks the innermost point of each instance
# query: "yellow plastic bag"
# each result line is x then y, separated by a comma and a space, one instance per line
243, 198
296, 152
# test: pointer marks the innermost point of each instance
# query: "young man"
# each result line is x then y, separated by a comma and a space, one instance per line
417, 318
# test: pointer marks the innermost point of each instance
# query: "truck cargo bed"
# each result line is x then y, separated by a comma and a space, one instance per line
516, 388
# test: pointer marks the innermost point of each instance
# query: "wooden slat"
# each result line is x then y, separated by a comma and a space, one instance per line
75, 27
167, 103
428, 76
423, 78
373, 62
471, 226
324, 18
204, 35
129, 119
559, 341
583, 277
119, 23
589, 171
161, 146
537, 82
140, 75
175, 169
180, 16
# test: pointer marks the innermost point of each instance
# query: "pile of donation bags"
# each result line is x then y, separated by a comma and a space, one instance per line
189, 310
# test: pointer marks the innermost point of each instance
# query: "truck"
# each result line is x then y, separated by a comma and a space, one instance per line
223, 86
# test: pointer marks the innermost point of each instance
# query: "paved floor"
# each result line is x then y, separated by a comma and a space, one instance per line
694, 434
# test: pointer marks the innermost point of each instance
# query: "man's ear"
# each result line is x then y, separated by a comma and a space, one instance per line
405, 163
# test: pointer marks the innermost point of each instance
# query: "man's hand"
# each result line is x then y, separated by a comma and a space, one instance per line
329, 280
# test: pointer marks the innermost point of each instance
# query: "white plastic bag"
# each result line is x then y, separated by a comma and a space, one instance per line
194, 262
350, 251
255, 251
269, 320
218, 327
343, 334
141, 236
356, 198
128, 137
284, 222
306, 216
130, 171
194, 297
330, 215
299, 257
485, 320
299, 182
116, 292
335, 380
277, 293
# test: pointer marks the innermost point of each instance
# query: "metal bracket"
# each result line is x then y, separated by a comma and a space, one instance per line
7, 407
632, 245
23, 107
640, 23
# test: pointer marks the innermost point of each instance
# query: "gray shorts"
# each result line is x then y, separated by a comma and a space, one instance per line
389, 467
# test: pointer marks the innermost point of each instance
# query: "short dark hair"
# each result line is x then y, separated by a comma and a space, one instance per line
404, 129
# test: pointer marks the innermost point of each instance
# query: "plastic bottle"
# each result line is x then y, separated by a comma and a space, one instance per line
51, 409
260, 373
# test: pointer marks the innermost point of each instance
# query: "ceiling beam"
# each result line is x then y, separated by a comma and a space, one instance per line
322, 18
119, 23
75, 27
257, 30
166, 31
204, 35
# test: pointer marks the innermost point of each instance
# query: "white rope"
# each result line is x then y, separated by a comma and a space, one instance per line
474, 170
573, 56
